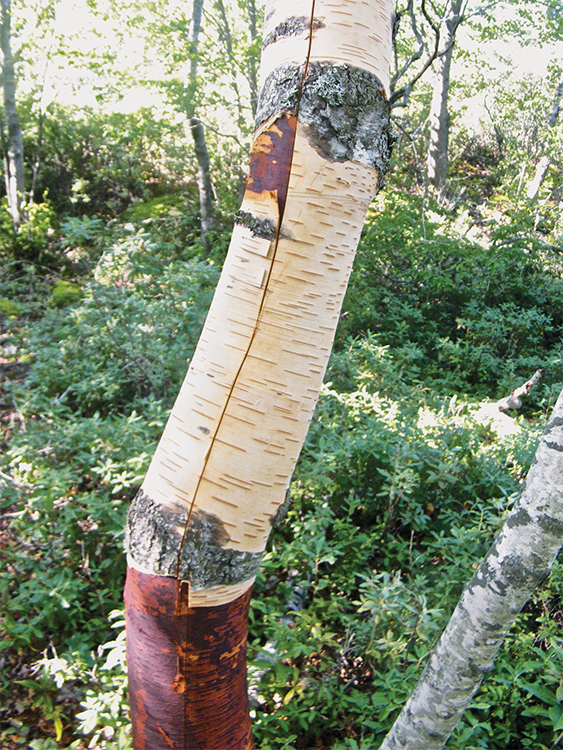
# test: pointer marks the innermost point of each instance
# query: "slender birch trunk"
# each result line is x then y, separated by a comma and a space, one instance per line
439, 118
13, 156
199, 525
544, 162
252, 67
518, 561
204, 184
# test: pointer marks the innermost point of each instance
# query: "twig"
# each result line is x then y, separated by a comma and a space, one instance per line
8, 478
524, 238
15, 514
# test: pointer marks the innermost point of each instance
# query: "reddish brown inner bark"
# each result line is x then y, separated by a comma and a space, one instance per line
186, 668
270, 158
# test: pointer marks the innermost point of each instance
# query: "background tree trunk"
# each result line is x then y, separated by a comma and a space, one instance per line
252, 16
518, 561
199, 525
204, 184
439, 118
13, 156
544, 162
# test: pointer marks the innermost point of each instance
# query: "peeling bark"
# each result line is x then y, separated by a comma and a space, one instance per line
293, 26
520, 559
344, 108
219, 478
186, 667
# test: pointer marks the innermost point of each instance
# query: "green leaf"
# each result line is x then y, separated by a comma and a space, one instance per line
541, 692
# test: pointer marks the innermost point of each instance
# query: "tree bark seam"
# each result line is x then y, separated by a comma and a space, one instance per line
185, 537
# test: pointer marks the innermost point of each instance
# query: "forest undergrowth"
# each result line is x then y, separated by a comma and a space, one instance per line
398, 493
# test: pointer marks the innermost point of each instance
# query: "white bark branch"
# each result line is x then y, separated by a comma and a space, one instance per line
518, 561
514, 401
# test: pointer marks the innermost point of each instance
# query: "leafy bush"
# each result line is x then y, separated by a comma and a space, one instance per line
469, 317
130, 335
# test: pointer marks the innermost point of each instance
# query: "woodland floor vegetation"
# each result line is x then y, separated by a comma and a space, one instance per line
399, 490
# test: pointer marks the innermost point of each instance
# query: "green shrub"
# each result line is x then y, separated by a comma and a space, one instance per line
130, 335
475, 319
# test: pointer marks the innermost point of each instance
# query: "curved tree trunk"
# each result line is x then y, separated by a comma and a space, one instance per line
199, 525
13, 156
518, 561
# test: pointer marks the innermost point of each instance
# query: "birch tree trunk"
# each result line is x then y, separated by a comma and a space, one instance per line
13, 151
518, 561
199, 525
544, 162
252, 67
204, 184
439, 118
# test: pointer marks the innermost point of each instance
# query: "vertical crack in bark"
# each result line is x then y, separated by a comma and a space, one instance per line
235, 379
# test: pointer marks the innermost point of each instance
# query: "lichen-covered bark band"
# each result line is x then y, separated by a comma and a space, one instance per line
344, 108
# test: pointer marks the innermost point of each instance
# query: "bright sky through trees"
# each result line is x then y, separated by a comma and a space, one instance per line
88, 36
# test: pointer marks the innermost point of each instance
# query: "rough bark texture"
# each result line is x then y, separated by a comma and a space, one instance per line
518, 561
13, 159
160, 540
186, 667
219, 478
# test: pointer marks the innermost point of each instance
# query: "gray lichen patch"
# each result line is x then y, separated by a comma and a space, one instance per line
259, 226
550, 525
553, 423
154, 539
280, 93
554, 446
344, 109
153, 534
518, 573
278, 518
519, 517
292, 26
347, 115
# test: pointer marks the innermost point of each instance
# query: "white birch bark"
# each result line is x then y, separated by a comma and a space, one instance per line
518, 561
225, 460
13, 158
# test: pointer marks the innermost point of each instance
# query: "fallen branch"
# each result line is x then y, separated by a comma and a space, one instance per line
514, 401
494, 413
